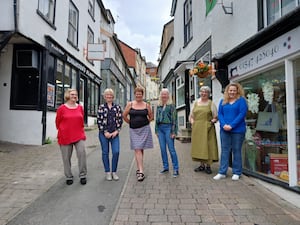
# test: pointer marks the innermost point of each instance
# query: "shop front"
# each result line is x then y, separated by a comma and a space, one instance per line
270, 76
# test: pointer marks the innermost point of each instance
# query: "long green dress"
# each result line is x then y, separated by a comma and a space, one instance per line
204, 141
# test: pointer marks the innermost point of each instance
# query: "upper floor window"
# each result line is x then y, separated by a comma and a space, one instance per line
275, 9
188, 25
47, 8
90, 38
91, 8
73, 24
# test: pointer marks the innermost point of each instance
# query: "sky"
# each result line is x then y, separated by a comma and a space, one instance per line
139, 23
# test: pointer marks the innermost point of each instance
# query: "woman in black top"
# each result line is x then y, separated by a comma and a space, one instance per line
140, 115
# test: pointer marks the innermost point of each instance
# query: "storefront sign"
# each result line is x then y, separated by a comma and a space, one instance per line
274, 50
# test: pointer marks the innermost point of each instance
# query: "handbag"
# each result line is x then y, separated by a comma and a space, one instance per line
268, 121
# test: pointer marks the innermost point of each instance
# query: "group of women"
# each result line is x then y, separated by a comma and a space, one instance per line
138, 114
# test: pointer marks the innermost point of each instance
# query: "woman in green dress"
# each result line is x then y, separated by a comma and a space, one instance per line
203, 116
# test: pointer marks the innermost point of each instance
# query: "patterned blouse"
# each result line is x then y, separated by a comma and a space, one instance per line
109, 119
166, 115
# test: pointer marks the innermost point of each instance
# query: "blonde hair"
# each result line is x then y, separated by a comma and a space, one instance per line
240, 92
169, 100
108, 91
67, 93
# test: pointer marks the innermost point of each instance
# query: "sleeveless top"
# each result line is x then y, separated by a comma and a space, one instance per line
138, 117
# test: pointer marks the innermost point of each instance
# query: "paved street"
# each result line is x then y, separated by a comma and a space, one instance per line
32, 191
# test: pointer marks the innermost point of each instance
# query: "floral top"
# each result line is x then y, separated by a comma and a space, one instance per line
109, 119
166, 115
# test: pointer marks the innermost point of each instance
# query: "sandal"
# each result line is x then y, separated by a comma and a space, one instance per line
140, 176
136, 172
200, 168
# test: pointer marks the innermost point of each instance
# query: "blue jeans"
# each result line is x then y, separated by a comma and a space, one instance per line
231, 142
164, 132
115, 147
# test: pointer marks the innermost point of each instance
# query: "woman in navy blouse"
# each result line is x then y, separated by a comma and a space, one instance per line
232, 113
110, 121
166, 130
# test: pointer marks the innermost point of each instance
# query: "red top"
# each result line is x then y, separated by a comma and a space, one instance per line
70, 124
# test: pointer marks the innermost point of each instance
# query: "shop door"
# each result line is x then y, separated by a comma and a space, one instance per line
83, 97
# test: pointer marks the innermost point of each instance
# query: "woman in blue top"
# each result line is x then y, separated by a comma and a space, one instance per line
166, 130
232, 112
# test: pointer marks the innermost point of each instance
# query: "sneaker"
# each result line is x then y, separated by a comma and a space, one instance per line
69, 182
164, 171
219, 176
115, 176
83, 180
235, 177
108, 176
176, 173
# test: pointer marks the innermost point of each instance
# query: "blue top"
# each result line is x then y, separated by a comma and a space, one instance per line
109, 119
234, 115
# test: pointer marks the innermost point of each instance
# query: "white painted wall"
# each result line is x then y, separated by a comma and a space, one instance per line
36, 28
6, 15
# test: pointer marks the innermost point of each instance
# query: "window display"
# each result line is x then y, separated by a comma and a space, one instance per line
265, 148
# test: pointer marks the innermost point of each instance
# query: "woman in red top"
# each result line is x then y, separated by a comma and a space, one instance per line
70, 125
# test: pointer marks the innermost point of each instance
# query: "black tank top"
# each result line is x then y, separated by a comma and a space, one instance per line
138, 118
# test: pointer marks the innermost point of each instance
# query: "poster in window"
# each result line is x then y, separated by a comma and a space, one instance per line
50, 95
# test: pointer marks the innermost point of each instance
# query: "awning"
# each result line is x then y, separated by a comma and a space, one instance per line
181, 66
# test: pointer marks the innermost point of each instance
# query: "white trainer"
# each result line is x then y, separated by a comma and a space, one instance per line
219, 176
115, 176
108, 176
235, 177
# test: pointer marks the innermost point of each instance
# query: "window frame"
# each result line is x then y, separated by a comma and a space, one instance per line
180, 84
31, 100
73, 8
188, 21
49, 19
91, 8
266, 13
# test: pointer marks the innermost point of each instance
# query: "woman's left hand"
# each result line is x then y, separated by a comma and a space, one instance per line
173, 136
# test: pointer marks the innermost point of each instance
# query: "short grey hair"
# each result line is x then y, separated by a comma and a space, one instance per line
205, 88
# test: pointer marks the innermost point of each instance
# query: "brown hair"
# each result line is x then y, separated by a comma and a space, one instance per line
240, 92
139, 89
67, 93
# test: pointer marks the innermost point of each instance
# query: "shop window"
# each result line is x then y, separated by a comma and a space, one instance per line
297, 83
180, 96
275, 9
188, 23
46, 9
25, 79
59, 95
74, 79
73, 25
266, 136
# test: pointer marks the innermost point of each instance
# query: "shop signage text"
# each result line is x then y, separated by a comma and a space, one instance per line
274, 50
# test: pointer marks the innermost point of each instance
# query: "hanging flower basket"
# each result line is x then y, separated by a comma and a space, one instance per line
202, 70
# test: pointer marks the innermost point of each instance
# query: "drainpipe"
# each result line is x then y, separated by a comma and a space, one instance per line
16, 15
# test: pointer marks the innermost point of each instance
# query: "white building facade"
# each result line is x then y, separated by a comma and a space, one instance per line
254, 43
44, 52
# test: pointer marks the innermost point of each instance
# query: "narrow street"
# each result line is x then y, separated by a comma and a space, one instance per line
191, 198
